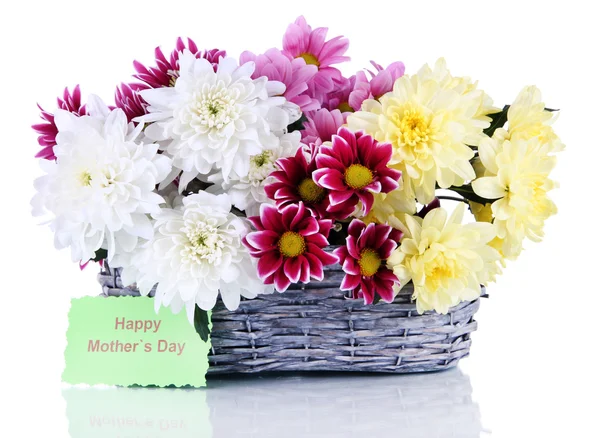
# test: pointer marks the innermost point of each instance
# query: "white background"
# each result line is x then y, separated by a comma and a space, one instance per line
533, 369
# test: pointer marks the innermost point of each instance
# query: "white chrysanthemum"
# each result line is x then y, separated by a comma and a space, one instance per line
100, 190
446, 261
430, 118
197, 253
215, 120
248, 193
517, 177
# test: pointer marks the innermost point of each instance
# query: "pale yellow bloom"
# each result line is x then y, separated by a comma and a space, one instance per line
430, 119
446, 261
527, 119
516, 174
390, 205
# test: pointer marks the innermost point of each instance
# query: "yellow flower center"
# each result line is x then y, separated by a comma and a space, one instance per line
291, 244
310, 59
345, 107
413, 126
358, 176
85, 178
369, 262
309, 191
440, 271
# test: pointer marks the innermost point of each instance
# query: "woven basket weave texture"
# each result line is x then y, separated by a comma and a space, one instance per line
317, 327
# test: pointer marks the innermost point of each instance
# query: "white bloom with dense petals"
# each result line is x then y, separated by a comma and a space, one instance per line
248, 193
101, 189
215, 120
196, 254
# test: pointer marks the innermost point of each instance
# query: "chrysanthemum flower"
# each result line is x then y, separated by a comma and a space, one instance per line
354, 167
528, 118
70, 102
301, 41
339, 98
166, 72
321, 125
390, 205
101, 188
215, 120
446, 261
294, 73
430, 118
127, 97
381, 82
293, 183
363, 259
197, 254
289, 245
517, 178
248, 193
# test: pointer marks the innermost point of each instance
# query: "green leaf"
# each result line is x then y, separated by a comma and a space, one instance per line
201, 323
498, 121
101, 254
298, 125
467, 192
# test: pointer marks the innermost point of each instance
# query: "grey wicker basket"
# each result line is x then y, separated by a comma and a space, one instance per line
317, 327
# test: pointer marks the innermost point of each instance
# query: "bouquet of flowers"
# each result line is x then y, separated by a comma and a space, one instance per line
215, 177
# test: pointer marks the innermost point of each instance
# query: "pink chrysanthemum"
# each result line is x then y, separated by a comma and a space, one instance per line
382, 81
354, 167
166, 71
339, 98
289, 245
70, 102
301, 41
128, 98
364, 261
322, 125
294, 73
294, 184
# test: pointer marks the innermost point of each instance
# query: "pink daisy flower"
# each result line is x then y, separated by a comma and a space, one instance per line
301, 41
294, 184
364, 261
128, 98
353, 168
294, 73
289, 245
382, 81
47, 139
321, 125
339, 98
166, 71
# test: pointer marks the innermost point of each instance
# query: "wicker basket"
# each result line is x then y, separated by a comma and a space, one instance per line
317, 327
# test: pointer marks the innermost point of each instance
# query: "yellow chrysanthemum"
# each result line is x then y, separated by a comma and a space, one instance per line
446, 261
527, 118
387, 205
516, 174
430, 119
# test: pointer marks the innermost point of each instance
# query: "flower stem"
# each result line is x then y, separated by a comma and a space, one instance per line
453, 198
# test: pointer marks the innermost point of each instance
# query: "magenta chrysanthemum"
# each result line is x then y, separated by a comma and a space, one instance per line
294, 73
294, 184
128, 98
289, 245
382, 81
322, 125
301, 41
364, 261
354, 167
47, 140
166, 71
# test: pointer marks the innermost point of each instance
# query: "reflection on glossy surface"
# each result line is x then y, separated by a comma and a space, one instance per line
325, 405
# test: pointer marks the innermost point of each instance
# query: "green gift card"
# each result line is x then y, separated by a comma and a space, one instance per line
122, 341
